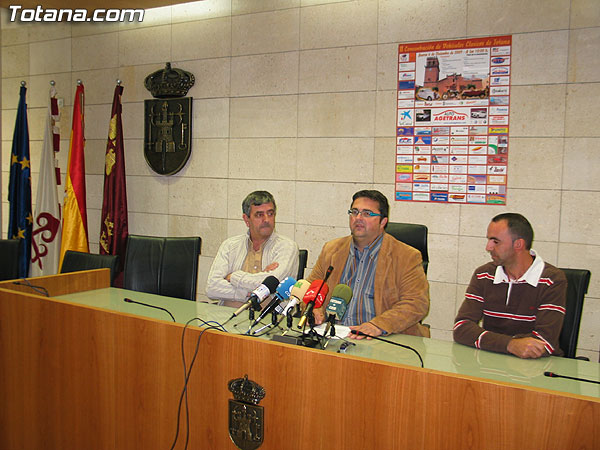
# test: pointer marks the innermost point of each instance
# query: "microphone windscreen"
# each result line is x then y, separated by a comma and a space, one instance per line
299, 289
284, 288
338, 303
311, 293
343, 292
271, 283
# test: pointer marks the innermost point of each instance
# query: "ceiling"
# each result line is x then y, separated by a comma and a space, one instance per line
90, 4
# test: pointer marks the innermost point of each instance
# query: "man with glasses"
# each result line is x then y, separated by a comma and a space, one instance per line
244, 261
390, 293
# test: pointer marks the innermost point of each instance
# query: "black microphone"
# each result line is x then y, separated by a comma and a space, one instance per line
128, 300
282, 293
555, 375
267, 287
360, 333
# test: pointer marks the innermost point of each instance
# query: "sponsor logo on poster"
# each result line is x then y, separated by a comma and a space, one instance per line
476, 198
421, 196
499, 100
500, 70
403, 104
501, 61
505, 50
406, 66
404, 159
406, 95
405, 117
404, 150
500, 90
498, 120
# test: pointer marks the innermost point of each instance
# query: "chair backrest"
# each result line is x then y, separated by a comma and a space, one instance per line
179, 268
9, 261
75, 261
164, 266
302, 261
411, 234
143, 259
578, 281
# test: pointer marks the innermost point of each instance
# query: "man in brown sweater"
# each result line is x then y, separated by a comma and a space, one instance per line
389, 286
520, 298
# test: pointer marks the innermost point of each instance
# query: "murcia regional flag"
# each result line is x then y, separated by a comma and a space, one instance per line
113, 225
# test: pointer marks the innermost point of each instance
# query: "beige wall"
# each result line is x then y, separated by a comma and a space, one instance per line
307, 87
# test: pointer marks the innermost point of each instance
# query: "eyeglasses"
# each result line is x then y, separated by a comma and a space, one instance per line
364, 213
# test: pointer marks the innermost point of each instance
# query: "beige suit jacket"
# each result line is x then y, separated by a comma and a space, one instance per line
401, 287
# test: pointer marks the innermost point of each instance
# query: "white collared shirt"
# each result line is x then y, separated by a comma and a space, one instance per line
531, 276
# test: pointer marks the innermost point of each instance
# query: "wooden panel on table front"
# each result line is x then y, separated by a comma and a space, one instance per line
79, 377
63, 283
57, 371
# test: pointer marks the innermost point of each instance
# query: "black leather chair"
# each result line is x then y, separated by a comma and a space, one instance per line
179, 268
75, 261
9, 259
165, 266
578, 281
411, 234
143, 260
302, 261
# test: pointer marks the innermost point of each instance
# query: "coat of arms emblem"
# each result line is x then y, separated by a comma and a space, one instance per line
167, 120
246, 418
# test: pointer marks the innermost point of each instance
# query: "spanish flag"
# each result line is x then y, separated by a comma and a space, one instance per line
75, 230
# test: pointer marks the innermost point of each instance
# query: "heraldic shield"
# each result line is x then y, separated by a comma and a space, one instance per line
246, 418
167, 131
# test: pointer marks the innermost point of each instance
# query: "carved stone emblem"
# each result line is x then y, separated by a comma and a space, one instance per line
168, 121
246, 418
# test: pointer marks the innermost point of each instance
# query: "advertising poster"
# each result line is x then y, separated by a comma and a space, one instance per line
452, 121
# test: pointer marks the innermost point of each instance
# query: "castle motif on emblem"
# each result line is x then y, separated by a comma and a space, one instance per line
167, 122
246, 418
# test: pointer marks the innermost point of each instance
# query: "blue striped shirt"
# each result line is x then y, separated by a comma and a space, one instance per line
359, 274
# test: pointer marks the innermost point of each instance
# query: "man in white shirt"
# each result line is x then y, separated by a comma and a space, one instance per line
244, 261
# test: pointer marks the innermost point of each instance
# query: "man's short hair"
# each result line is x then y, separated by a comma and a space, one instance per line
257, 198
376, 196
519, 227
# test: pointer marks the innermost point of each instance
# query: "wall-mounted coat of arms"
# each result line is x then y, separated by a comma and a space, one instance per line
168, 120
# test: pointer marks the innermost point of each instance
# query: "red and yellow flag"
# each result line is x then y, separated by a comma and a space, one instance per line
75, 230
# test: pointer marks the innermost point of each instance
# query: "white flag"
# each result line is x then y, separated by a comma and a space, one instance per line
47, 221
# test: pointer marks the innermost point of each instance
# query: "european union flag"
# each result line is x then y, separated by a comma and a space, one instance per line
19, 190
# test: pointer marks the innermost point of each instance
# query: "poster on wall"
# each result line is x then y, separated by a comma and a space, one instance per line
452, 121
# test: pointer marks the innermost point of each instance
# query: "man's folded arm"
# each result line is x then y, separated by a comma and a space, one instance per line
287, 259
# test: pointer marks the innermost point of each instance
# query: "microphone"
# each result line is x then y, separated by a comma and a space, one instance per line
267, 287
296, 295
128, 300
282, 293
314, 297
338, 303
555, 375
